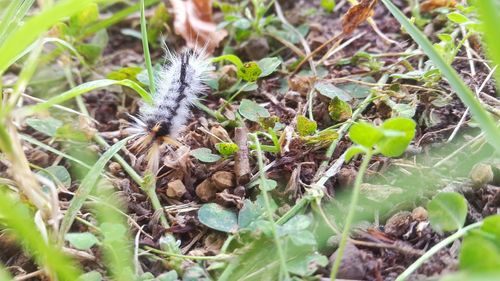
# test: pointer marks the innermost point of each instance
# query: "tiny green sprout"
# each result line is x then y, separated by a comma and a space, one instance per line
390, 139
328, 5
306, 126
227, 148
249, 72
339, 110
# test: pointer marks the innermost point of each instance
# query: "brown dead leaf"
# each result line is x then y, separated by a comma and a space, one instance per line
356, 15
430, 5
193, 21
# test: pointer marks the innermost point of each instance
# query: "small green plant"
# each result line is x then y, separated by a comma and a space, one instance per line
391, 140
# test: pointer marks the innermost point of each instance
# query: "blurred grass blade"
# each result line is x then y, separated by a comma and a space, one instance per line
53, 150
489, 13
480, 115
117, 244
88, 183
18, 218
145, 48
26, 34
14, 13
87, 87
58, 41
4, 274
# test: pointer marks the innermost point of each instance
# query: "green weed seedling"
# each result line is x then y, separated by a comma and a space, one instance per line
390, 139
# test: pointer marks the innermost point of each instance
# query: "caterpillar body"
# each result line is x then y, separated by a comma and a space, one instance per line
178, 85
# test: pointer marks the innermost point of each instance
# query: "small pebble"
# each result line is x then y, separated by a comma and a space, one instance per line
223, 180
206, 190
419, 214
176, 189
481, 174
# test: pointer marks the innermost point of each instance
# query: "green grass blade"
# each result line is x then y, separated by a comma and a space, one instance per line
88, 183
18, 218
55, 151
84, 88
26, 34
489, 13
117, 244
4, 274
14, 13
145, 48
485, 121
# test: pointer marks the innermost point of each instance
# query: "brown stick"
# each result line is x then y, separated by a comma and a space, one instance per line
241, 163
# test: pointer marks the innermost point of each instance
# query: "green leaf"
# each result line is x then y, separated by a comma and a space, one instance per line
447, 211
227, 148
305, 126
357, 90
307, 266
330, 91
398, 133
205, 155
249, 213
457, 18
486, 122
339, 110
324, 137
365, 134
217, 217
268, 65
168, 276
59, 172
47, 126
479, 255
250, 71
90, 276
353, 151
129, 73
328, 5
267, 184
491, 225
303, 237
81, 240
252, 111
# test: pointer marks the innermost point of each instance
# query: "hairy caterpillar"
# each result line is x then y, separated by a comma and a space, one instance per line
178, 85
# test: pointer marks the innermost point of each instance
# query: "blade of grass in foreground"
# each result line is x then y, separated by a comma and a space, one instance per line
489, 13
88, 183
22, 37
18, 218
15, 12
4, 274
485, 121
84, 88
117, 244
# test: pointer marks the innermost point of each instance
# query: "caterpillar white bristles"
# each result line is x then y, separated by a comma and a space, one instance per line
178, 85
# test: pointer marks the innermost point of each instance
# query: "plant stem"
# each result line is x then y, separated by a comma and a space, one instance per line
351, 213
461, 232
281, 253
145, 48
